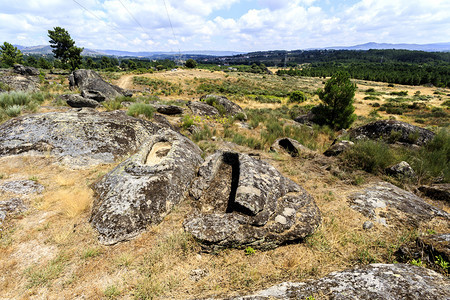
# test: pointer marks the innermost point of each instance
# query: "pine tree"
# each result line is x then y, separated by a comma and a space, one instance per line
64, 48
337, 108
10, 55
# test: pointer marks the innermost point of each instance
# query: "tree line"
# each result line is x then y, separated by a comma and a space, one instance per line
400, 73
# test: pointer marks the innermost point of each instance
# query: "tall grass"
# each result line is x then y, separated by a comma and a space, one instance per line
13, 104
431, 162
137, 109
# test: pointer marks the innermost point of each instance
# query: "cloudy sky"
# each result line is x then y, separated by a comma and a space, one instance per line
235, 25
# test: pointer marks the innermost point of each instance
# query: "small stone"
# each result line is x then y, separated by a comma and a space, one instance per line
197, 274
367, 225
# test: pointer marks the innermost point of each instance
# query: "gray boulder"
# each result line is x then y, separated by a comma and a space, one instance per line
290, 146
231, 108
437, 191
338, 148
306, 119
144, 188
390, 205
402, 169
202, 109
393, 131
79, 137
77, 101
375, 281
168, 109
23, 70
11, 207
93, 86
241, 201
21, 187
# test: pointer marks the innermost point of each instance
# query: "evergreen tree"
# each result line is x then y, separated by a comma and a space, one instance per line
10, 55
64, 48
337, 108
190, 63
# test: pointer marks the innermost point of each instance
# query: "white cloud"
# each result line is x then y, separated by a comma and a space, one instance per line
274, 24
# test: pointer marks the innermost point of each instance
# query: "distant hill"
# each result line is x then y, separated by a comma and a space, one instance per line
46, 49
424, 47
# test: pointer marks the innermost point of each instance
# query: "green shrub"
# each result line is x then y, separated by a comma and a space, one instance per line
137, 109
188, 121
13, 111
400, 93
297, 97
370, 156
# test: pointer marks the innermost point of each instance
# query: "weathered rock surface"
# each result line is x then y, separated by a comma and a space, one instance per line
426, 248
338, 148
21, 187
306, 119
78, 137
243, 201
23, 70
168, 109
19, 83
77, 101
389, 205
94, 87
11, 207
163, 122
202, 109
143, 189
290, 146
230, 107
375, 281
402, 169
393, 131
437, 191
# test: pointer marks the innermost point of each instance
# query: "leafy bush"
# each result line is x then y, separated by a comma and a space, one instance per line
297, 97
400, 93
13, 111
370, 156
137, 109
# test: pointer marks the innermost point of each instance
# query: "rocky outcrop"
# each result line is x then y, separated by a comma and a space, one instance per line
168, 109
19, 83
23, 70
390, 205
429, 250
202, 109
77, 101
437, 191
79, 137
241, 201
375, 281
290, 146
21, 187
230, 107
306, 119
94, 87
338, 148
393, 131
11, 207
402, 170
144, 188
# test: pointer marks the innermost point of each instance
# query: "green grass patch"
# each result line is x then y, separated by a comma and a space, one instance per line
138, 109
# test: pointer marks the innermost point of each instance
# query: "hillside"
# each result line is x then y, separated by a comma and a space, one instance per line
336, 212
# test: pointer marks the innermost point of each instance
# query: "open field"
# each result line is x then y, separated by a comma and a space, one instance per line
51, 251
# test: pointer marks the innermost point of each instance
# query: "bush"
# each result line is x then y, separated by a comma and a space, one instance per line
137, 109
370, 156
297, 97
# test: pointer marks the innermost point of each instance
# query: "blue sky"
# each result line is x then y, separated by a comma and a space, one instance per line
235, 25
